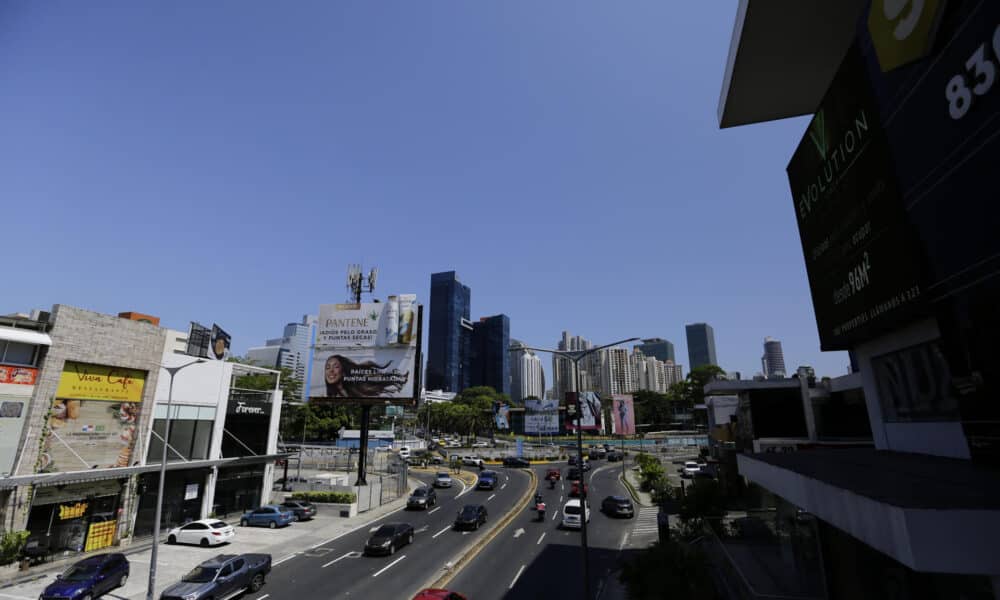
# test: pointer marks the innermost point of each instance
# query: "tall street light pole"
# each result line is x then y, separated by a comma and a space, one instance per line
150, 589
575, 356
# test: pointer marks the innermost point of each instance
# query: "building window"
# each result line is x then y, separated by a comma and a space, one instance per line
914, 384
16, 353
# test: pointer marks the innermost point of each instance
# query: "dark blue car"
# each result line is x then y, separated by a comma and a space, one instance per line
90, 578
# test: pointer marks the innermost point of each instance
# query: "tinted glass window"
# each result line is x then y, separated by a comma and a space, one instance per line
385, 530
420, 492
219, 525
572, 510
469, 511
200, 575
226, 571
238, 564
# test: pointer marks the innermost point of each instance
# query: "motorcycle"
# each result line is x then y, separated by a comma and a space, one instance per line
540, 508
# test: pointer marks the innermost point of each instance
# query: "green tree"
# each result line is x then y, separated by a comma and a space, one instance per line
668, 569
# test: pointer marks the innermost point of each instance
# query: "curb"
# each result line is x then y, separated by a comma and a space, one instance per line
632, 491
476, 548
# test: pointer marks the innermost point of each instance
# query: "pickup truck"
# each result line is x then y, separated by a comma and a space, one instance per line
221, 577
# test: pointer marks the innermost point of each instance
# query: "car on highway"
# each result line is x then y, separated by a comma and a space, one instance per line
572, 512
597, 453
302, 509
203, 532
388, 538
553, 475
454, 444
472, 461
89, 578
438, 594
689, 469
516, 462
471, 516
422, 497
481, 445
574, 491
487, 480
221, 577
267, 516
615, 456
618, 506
442, 480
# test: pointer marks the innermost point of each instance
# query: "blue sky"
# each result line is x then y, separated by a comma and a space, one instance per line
224, 161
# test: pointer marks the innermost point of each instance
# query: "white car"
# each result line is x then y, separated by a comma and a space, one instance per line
481, 445
454, 444
691, 468
571, 514
443, 480
472, 461
404, 452
205, 532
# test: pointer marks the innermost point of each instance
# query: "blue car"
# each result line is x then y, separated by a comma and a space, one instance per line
267, 516
487, 480
90, 578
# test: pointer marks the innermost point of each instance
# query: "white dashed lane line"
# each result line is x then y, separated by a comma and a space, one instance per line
519, 571
440, 532
388, 566
434, 511
491, 497
540, 538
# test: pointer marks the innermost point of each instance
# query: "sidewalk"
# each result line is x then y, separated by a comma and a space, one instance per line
175, 561
633, 484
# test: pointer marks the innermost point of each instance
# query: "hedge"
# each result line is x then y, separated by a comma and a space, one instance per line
331, 497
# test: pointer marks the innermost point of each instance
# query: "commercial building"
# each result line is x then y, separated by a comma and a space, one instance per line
449, 334
527, 379
891, 188
658, 348
701, 345
772, 363
490, 360
293, 350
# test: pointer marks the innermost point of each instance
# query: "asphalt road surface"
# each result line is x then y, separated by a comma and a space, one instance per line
531, 559
337, 569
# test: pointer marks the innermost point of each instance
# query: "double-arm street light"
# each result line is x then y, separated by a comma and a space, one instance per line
150, 590
575, 356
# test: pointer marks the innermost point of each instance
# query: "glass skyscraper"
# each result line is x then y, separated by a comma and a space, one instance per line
701, 345
658, 348
491, 353
450, 335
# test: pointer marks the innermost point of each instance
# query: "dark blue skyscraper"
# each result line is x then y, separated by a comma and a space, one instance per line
450, 335
658, 348
701, 345
490, 353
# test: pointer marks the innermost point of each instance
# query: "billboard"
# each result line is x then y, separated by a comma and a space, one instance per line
359, 355
622, 414
541, 416
501, 415
18, 375
590, 411
93, 418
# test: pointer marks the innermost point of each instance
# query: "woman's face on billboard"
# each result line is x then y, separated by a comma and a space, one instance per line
334, 371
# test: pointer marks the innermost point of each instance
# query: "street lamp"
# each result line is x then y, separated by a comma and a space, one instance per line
163, 472
575, 356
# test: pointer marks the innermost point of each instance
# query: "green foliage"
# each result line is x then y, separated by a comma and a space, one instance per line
11, 544
322, 421
331, 497
668, 569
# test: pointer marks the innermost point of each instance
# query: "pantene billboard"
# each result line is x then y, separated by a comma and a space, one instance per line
367, 351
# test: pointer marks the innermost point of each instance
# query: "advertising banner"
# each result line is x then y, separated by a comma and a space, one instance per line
12, 414
501, 414
622, 415
590, 415
541, 416
92, 422
357, 357
218, 347
18, 375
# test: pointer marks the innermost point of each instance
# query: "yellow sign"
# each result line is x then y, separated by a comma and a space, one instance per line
100, 535
82, 381
72, 511
903, 30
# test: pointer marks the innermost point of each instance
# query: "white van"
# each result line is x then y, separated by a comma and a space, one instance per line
571, 514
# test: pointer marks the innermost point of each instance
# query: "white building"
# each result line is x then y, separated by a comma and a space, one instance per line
527, 378
434, 396
291, 351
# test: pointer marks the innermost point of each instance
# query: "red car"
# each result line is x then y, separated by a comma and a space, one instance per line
553, 475
575, 490
437, 594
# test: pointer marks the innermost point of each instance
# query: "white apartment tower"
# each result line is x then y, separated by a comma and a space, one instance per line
526, 375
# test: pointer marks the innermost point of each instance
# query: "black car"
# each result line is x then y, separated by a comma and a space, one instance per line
388, 538
516, 462
302, 509
470, 517
422, 497
618, 506
614, 456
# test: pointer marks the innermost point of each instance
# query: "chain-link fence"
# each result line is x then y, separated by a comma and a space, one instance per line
332, 469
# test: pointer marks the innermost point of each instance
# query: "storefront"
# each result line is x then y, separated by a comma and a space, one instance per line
183, 496
238, 489
76, 517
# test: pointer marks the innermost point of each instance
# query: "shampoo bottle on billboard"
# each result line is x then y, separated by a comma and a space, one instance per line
391, 319
407, 317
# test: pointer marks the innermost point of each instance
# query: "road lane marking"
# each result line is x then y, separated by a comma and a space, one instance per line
278, 562
554, 515
348, 555
434, 511
560, 499
519, 532
386, 568
440, 532
503, 486
491, 497
519, 571
373, 530
540, 538
264, 596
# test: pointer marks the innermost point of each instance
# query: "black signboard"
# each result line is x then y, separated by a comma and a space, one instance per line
859, 252
248, 419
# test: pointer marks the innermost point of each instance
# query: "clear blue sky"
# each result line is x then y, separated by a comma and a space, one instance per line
224, 161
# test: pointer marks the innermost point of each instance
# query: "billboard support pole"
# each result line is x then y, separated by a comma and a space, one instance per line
366, 413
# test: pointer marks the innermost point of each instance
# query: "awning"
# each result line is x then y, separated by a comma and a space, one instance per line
25, 336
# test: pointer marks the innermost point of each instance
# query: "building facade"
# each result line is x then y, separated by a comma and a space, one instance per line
658, 348
701, 345
773, 361
563, 374
293, 350
490, 360
449, 334
527, 379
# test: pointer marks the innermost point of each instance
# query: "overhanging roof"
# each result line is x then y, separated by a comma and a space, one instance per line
782, 57
25, 336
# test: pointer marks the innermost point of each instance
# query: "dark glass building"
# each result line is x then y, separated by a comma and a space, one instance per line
490, 353
701, 345
658, 348
450, 335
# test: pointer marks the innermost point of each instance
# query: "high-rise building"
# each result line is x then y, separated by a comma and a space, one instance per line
616, 372
773, 361
292, 350
564, 377
449, 335
673, 373
701, 345
527, 380
658, 348
490, 360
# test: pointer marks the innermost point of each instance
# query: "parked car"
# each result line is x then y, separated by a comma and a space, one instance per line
437, 459
443, 480
516, 462
454, 444
471, 516
404, 452
388, 538
204, 532
267, 516
618, 506
422, 497
553, 474
572, 512
472, 461
302, 509
89, 578
574, 491
689, 469
481, 445
438, 594
221, 577
487, 480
